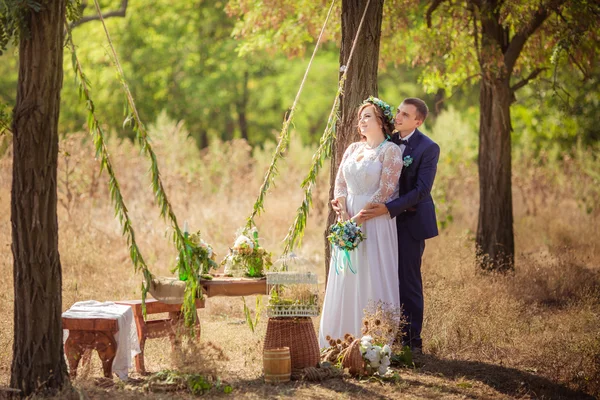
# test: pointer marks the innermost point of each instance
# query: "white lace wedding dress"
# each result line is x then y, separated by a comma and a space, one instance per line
365, 175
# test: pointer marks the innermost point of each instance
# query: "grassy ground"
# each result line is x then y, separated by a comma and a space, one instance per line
531, 334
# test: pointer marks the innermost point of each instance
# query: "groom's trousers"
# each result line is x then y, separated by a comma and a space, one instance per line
410, 254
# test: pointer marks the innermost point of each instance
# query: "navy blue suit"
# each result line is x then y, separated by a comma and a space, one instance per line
415, 220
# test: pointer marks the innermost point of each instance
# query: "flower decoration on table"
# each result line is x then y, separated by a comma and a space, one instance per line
407, 161
196, 258
247, 257
388, 112
344, 237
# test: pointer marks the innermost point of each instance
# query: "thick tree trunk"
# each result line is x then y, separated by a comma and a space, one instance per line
361, 81
495, 239
38, 362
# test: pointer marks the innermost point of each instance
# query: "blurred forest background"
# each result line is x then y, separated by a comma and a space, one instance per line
214, 97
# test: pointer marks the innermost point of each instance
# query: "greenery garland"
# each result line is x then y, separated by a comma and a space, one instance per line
296, 231
193, 259
284, 138
98, 137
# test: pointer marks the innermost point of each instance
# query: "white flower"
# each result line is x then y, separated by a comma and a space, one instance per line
243, 240
386, 350
367, 338
372, 355
383, 369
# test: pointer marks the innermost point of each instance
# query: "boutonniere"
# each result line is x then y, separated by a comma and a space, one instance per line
407, 161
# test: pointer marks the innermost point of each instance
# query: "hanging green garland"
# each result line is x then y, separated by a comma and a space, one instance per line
97, 133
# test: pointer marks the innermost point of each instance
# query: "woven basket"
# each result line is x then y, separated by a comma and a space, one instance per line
353, 360
299, 335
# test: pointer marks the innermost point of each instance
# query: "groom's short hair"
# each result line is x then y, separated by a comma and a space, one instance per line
420, 105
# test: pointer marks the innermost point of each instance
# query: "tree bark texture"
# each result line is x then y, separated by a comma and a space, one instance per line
38, 363
361, 82
495, 237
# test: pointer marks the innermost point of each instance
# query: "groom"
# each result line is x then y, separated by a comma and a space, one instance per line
414, 211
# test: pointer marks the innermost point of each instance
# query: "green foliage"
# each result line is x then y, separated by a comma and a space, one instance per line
196, 255
252, 323
13, 20
195, 384
98, 136
14, 17
5, 132
296, 230
284, 139
192, 255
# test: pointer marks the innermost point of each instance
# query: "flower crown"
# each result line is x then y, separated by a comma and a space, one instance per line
388, 113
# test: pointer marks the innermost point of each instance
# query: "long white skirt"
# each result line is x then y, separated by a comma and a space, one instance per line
375, 261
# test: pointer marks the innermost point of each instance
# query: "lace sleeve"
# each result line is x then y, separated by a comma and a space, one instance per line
341, 188
390, 174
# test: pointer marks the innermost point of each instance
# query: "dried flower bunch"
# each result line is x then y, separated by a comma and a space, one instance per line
337, 348
384, 323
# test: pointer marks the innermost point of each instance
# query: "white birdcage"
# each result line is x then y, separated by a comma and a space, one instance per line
293, 289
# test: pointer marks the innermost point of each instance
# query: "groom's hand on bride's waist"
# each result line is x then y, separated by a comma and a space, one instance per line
373, 210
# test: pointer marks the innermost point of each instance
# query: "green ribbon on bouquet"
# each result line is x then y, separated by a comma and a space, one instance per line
340, 263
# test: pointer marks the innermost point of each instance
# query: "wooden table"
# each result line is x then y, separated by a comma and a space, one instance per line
159, 327
226, 286
219, 286
90, 334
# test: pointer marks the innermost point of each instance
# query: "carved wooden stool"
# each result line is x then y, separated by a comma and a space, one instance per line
90, 334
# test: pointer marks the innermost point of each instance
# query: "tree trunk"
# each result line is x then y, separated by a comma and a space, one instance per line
495, 239
361, 82
38, 363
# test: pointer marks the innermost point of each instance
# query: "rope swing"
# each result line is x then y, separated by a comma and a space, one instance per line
197, 260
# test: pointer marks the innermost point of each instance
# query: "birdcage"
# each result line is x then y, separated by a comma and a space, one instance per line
293, 289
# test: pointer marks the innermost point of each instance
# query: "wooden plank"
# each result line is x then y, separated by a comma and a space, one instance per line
226, 286
90, 324
154, 306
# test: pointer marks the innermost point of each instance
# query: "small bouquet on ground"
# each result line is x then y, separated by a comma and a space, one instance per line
196, 257
247, 257
344, 237
376, 357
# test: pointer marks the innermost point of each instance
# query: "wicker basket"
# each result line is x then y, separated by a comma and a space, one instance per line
299, 335
353, 360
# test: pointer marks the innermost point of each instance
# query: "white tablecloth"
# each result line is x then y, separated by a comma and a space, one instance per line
127, 341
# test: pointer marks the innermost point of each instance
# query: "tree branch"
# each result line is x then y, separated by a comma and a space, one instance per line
116, 13
431, 9
518, 41
525, 81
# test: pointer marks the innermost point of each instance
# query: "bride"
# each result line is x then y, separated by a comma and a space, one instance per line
368, 173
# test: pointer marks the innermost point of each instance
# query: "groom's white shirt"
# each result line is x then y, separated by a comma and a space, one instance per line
403, 146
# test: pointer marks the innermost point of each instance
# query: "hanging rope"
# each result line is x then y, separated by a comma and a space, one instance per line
284, 137
296, 231
102, 154
166, 210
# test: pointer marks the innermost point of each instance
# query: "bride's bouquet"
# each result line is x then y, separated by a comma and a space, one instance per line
344, 237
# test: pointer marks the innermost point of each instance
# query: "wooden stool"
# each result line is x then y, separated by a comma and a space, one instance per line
159, 327
90, 334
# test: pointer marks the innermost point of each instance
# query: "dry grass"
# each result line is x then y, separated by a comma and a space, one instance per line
534, 333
